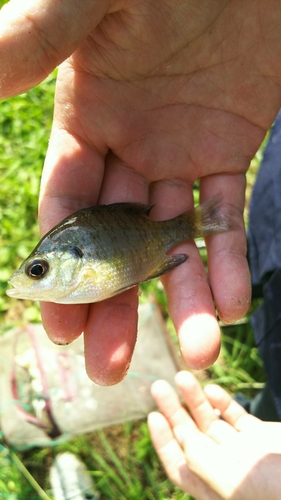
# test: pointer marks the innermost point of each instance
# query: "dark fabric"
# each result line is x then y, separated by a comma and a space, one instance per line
265, 211
261, 406
266, 322
264, 250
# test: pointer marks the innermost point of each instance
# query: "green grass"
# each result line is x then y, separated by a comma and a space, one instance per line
25, 123
122, 460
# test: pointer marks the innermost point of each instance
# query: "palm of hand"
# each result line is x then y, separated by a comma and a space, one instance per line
249, 461
157, 100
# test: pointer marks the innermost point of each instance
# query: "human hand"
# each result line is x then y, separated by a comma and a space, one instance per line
153, 96
237, 458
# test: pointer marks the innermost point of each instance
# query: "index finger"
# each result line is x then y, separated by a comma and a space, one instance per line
63, 191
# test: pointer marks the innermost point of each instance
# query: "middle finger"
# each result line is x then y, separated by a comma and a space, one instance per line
190, 299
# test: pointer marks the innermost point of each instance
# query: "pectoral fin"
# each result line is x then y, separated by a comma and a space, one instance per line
169, 263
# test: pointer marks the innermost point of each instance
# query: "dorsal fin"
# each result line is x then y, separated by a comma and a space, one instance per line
130, 208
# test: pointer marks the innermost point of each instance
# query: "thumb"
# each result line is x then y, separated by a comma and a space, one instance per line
37, 35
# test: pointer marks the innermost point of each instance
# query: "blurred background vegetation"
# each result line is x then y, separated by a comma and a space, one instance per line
121, 459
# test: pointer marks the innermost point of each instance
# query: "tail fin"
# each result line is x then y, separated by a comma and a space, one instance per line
208, 218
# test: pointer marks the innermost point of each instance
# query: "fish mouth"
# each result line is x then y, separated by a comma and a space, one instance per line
16, 294
13, 292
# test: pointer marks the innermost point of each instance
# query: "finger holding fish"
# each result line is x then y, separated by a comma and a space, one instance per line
192, 310
111, 327
190, 299
110, 336
228, 268
59, 197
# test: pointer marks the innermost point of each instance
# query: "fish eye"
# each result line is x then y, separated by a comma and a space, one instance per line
37, 269
76, 252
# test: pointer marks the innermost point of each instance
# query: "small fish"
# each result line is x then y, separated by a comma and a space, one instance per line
99, 252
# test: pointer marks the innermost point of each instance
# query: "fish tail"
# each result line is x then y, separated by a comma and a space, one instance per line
207, 219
